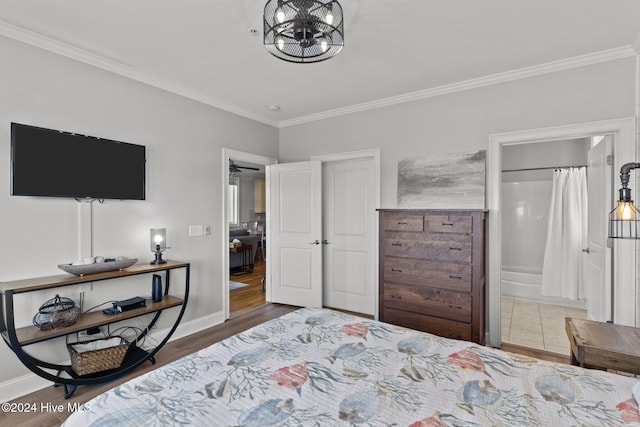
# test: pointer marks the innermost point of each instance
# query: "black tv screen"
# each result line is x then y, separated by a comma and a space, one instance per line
46, 162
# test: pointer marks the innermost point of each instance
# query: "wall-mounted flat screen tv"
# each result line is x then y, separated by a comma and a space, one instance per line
46, 162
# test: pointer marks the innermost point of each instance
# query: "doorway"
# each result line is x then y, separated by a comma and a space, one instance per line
623, 268
242, 218
533, 309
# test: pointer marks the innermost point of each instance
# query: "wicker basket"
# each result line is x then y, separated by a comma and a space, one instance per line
91, 361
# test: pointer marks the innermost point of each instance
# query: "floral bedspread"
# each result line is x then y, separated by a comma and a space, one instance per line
326, 368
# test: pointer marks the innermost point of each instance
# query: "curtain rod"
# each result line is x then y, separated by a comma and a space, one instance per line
548, 167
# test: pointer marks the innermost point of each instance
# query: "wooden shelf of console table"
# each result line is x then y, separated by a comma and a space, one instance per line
48, 282
32, 334
604, 346
16, 338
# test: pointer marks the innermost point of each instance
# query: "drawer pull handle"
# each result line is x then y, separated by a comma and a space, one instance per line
396, 296
455, 249
403, 223
396, 244
450, 224
455, 277
459, 307
396, 269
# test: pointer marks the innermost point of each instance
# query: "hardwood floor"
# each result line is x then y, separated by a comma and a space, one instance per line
42, 401
250, 297
537, 353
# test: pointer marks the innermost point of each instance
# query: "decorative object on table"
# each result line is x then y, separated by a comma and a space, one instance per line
156, 288
303, 31
442, 181
158, 244
235, 243
97, 265
623, 219
88, 357
57, 312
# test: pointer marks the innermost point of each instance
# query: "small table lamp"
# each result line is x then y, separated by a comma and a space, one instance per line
158, 244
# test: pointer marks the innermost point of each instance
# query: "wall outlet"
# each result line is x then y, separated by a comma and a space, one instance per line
86, 287
196, 230
89, 334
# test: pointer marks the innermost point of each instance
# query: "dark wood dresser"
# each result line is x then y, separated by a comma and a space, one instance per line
432, 271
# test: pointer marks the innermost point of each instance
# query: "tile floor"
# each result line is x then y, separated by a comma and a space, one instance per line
537, 325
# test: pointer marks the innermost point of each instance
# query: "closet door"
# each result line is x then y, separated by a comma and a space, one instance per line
294, 238
349, 226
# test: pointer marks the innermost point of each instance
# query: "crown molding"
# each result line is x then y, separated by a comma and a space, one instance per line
521, 73
86, 56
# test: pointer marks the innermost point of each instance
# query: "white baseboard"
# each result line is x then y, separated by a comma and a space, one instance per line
20, 386
29, 383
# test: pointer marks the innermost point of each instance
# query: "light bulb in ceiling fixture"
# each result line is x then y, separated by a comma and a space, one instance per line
324, 44
329, 18
280, 43
279, 15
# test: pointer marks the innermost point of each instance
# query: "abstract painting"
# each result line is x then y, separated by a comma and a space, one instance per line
442, 181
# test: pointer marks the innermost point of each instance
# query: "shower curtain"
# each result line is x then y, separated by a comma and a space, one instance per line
563, 266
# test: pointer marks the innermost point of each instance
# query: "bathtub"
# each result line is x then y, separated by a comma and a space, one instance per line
526, 284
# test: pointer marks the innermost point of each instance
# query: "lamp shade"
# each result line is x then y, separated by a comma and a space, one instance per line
158, 236
624, 221
303, 31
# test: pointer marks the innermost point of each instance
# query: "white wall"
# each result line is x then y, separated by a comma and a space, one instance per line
463, 121
183, 139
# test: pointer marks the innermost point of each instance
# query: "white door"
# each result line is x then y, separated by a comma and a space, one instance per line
294, 248
349, 212
598, 258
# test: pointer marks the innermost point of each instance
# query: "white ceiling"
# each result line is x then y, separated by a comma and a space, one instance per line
395, 50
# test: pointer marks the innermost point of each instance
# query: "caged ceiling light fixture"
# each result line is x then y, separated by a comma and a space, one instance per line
303, 31
624, 220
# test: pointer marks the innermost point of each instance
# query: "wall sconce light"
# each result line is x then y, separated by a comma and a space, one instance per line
623, 219
158, 244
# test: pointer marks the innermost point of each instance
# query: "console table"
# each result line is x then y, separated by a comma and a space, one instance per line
604, 346
17, 338
247, 258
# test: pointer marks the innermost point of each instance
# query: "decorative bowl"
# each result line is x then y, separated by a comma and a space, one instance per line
99, 267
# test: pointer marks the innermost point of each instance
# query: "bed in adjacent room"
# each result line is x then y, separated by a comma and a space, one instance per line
325, 368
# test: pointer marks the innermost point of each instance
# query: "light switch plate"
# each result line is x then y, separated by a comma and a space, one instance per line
196, 230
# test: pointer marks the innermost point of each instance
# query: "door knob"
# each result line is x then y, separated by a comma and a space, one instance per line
316, 242
586, 250
325, 242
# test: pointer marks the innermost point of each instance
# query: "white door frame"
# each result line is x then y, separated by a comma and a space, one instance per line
243, 157
374, 154
624, 283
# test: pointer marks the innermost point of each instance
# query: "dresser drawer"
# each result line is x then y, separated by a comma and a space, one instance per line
448, 224
437, 302
441, 327
455, 277
438, 247
403, 222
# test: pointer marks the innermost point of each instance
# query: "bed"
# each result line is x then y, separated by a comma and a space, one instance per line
314, 367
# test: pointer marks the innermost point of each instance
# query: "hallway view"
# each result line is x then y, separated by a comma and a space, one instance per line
539, 326
249, 297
